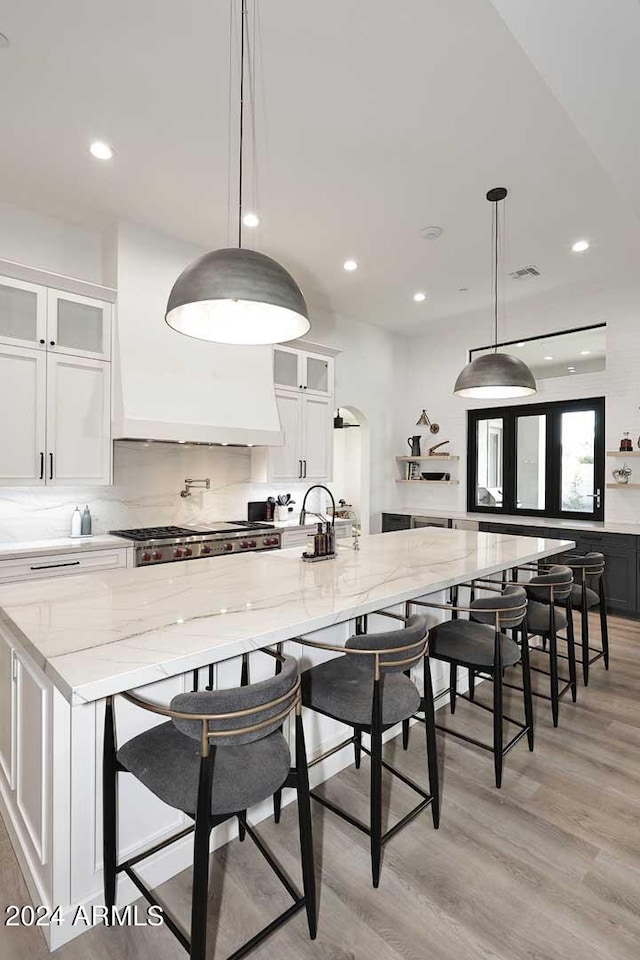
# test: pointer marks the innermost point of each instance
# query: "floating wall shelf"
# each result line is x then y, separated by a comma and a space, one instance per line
431, 483
623, 453
623, 486
425, 459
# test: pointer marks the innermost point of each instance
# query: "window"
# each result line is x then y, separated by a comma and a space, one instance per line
543, 459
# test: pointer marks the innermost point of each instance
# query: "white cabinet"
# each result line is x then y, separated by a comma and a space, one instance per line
44, 566
55, 387
317, 438
7, 711
22, 424
78, 326
25, 744
78, 421
23, 313
307, 452
302, 370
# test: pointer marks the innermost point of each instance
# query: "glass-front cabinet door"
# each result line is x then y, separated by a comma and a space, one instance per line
23, 313
287, 370
317, 373
78, 326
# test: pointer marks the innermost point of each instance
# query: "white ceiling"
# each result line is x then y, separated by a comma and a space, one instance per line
381, 118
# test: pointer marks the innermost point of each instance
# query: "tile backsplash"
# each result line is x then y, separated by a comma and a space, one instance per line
148, 478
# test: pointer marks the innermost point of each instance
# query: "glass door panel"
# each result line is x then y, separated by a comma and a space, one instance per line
490, 440
578, 492
21, 313
531, 462
78, 325
317, 378
285, 368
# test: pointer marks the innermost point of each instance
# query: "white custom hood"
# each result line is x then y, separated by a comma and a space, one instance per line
171, 387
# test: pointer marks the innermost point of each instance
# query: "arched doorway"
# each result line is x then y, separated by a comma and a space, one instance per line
351, 463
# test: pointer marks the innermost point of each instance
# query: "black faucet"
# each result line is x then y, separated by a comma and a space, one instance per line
303, 512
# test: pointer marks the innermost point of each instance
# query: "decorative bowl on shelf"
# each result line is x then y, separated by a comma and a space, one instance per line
436, 476
622, 474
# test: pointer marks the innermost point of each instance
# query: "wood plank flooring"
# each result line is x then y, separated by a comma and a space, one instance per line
548, 868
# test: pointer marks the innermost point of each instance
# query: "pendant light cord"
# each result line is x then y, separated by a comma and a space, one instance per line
243, 19
495, 278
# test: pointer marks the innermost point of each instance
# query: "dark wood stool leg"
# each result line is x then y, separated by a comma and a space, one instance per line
109, 808
200, 892
526, 685
472, 684
357, 746
242, 816
553, 669
304, 824
571, 651
604, 626
432, 755
497, 709
376, 785
277, 797
453, 686
585, 634
405, 723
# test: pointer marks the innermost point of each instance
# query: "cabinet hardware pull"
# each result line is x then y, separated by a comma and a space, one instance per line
305, 469
52, 343
42, 341
50, 466
50, 566
42, 464
300, 469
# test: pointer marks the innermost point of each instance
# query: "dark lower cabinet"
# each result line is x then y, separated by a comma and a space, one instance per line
395, 521
621, 555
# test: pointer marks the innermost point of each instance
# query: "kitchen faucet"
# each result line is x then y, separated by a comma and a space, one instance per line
303, 512
204, 484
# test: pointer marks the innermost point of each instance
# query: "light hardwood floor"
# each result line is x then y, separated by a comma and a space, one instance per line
548, 868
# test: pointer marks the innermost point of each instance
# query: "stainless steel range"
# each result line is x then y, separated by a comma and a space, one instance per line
167, 544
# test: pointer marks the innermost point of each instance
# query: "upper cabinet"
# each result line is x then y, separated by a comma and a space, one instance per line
55, 378
301, 370
23, 313
78, 326
304, 394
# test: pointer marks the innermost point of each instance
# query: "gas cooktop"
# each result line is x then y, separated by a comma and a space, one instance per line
165, 544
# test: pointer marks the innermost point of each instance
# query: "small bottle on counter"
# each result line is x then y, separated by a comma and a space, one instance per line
331, 539
76, 523
85, 527
319, 544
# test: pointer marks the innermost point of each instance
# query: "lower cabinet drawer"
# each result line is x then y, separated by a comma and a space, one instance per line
61, 565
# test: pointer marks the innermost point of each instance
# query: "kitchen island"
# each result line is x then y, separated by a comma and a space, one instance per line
66, 645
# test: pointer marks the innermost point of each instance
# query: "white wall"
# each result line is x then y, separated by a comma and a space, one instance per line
50, 244
435, 359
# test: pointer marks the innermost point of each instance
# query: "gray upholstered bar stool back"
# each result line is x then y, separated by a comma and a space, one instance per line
229, 757
589, 594
511, 607
414, 632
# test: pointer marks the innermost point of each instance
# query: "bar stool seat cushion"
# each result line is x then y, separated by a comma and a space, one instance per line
593, 599
168, 763
470, 643
539, 620
343, 688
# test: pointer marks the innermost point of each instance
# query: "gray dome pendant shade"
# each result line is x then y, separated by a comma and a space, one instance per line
239, 296
495, 376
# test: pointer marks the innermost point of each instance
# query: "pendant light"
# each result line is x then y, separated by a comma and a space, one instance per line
237, 295
495, 376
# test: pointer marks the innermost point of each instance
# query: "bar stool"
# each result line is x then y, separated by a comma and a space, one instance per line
588, 593
220, 753
547, 592
367, 689
480, 645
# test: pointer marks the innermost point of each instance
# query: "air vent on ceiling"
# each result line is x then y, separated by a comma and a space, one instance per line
524, 272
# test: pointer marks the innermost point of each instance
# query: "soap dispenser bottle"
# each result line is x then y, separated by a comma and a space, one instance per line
76, 523
85, 527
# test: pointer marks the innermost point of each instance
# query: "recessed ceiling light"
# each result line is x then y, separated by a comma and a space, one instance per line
251, 220
585, 353
101, 150
431, 233
548, 358
462, 289
521, 344
419, 297
350, 265
580, 246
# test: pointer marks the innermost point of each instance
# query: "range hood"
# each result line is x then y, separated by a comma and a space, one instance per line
170, 387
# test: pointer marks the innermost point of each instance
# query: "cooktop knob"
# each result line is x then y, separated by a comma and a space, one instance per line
206, 548
146, 557
157, 555
228, 546
253, 544
177, 552
188, 552
245, 545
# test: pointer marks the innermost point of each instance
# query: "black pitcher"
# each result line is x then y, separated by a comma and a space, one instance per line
414, 443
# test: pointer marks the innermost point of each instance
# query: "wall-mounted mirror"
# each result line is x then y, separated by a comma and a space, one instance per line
559, 354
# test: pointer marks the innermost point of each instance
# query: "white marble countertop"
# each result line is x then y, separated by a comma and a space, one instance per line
102, 633
595, 526
15, 549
